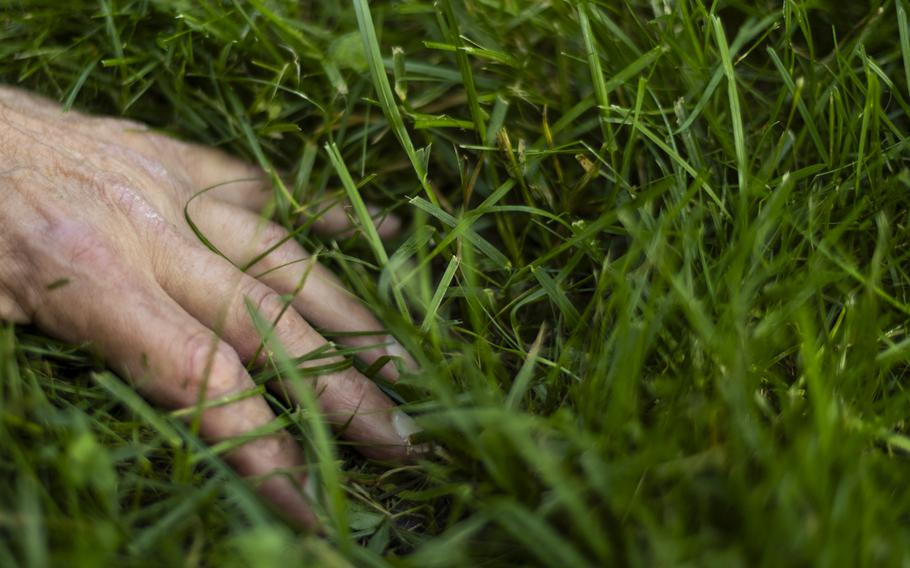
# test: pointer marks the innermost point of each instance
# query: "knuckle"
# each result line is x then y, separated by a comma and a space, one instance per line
355, 387
349, 387
281, 252
272, 236
109, 182
278, 247
211, 367
277, 445
126, 197
264, 300
265, 305
144, 164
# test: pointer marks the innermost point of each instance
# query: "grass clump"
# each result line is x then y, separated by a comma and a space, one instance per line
655, 270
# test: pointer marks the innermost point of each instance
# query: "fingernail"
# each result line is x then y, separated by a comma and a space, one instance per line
388, 224
404, 425
406, 429
310, 489
394, 349
285, 495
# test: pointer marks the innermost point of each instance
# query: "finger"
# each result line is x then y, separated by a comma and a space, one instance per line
235, 181
318, 295
230, 179
246, 185
10, 310
215, 292
336, 219
175, 361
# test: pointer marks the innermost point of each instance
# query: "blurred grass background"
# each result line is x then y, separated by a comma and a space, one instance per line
655, 268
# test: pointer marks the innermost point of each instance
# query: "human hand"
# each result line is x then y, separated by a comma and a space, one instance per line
94, 247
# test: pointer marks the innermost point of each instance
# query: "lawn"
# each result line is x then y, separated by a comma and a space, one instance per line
655, 268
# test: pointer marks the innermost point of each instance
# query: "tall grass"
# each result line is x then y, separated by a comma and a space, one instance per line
655, 271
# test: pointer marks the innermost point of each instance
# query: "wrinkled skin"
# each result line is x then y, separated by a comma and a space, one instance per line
94, 247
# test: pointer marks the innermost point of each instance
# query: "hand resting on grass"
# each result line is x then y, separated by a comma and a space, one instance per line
95, 247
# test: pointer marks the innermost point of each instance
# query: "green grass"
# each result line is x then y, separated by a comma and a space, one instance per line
655, 268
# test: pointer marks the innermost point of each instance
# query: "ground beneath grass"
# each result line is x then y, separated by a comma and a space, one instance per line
655, 268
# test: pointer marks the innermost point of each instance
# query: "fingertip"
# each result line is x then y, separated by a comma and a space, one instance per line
410, 432
395, 349
293, 505
403, 444
384, 432
388, 225
400, 357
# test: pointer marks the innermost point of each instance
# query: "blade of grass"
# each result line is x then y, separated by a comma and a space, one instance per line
137, 405
366, 221
597, 76
439, 295
384, 92
739, 137
904, 36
